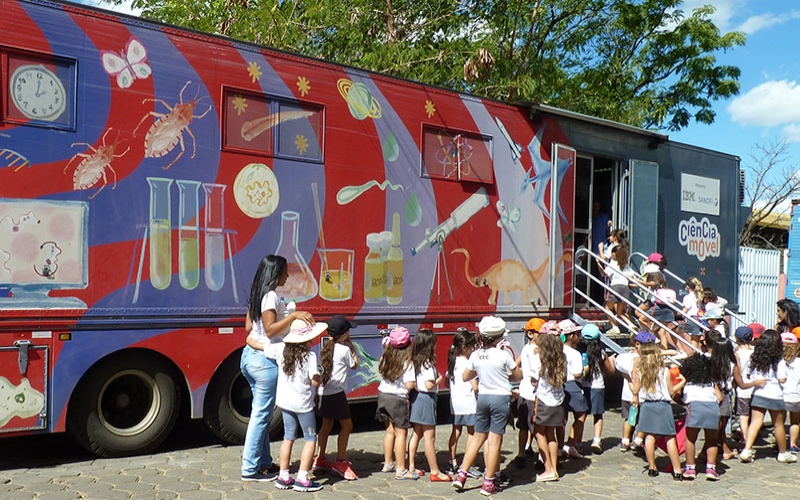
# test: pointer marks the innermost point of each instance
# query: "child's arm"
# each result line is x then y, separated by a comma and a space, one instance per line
675, 389
608, 364
515, 375
741, 384
718, 393
315, 381
349, 343
474, 383
469, 375
636, 383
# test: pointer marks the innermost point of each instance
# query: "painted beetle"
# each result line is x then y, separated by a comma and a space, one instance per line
94, 165
167, 131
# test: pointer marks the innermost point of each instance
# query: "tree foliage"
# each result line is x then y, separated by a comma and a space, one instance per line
772, 180
641, 62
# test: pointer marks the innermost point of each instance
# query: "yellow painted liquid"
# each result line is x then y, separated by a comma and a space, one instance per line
374, 280
160, 253
189, 262
336, 285
394, 280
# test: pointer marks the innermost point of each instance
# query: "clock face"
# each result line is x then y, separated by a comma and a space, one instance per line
38, 93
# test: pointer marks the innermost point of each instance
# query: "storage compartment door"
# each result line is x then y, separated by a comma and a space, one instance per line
23, 387
562, 221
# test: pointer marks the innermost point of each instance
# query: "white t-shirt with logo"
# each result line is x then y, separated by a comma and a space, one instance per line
462, 397
493, 366
295, 393
343, 360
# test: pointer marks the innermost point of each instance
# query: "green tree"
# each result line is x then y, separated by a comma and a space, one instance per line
641, 62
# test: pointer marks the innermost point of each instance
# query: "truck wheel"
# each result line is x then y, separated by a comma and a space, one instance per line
126, 405
228, 403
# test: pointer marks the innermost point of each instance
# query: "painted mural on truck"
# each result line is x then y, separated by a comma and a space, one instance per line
187, 175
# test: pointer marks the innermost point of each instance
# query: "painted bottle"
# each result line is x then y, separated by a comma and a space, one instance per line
394, 266
374, 271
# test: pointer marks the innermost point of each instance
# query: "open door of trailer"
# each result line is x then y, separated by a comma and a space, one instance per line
638, 190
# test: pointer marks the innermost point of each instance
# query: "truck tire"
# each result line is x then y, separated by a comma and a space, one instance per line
228, 402
126, 405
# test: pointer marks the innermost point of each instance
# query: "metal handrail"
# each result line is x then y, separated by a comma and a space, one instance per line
683, 283
628, 302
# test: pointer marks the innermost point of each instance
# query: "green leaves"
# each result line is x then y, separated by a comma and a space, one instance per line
641, 62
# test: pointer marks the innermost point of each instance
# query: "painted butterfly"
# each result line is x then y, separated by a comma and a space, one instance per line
128, 64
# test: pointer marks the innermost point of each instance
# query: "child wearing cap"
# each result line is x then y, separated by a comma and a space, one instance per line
767, 363
575, 402
397, 372
527, 392
495, 368
791, 389
594, 386
298, 377
549, 373
744, 349
338, 355
462, 394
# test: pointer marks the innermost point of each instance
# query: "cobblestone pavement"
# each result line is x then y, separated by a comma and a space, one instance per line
192, 465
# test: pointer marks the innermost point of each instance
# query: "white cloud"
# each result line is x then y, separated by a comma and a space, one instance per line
768, 104
725, 10
791, 132
767, 20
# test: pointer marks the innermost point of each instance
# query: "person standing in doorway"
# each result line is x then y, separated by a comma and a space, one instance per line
601, 224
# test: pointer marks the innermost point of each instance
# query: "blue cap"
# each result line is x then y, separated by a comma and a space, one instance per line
744, 333
590, 331
644, 337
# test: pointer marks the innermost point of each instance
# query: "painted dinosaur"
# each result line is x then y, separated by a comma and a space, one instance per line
508, 275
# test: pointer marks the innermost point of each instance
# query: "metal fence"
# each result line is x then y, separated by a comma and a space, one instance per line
759, 284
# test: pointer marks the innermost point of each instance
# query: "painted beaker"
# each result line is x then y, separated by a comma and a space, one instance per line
188, 234
301, 284
336, 273
214, 256
160, 232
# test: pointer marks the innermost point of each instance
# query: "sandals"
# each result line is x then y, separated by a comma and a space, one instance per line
403, 475
388, 467
436, 478
732, 454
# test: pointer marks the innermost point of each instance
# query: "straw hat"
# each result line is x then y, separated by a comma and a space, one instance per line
300, 332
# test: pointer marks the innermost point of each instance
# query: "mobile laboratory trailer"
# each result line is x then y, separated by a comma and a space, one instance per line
145, 170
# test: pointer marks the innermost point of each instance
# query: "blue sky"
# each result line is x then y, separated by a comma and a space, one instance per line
768, 105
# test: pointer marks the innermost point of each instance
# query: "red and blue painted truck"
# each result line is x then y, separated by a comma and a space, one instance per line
146, 169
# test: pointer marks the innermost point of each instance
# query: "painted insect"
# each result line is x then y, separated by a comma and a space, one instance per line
167, 131
94, 165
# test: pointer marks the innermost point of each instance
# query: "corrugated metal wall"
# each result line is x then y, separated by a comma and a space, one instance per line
759, 278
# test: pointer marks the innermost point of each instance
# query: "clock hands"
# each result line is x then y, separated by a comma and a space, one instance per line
38, 87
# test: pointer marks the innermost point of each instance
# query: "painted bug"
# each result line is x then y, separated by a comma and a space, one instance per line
94, 165
167, 131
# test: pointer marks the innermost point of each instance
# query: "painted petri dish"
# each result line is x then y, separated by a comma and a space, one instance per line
256, 191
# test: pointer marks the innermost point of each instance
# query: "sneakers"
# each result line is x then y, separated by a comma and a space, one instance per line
306, 486
473, 472
264, 476
614, 330
747, 456
460, 480
624, 447
502, 479
342, 467
321, 464
489, 488
597, 447
794, 449
712, 474
786, 458
689, 473
284, 484
572, 452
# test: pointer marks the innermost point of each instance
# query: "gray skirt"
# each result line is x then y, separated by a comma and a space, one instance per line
655, 417
725, 405
423, 408
596, 400
703, 415
767, 404
549, 416
574, 400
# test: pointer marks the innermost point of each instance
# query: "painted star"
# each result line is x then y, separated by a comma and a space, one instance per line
301, 143
255, 71
430, 109
240, 104
541, 174
303, 86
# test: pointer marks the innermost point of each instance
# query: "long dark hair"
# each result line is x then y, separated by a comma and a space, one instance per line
767, 352
461, 340
554, 363
423, 352
266, 280
393, 361
697, 370
294, 355
326, 361
594, 350
721, 357
792, 315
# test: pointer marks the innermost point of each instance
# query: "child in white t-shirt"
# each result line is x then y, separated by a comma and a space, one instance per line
462, 394
337, 357
298, 377
526, 403
791, 389
549, 373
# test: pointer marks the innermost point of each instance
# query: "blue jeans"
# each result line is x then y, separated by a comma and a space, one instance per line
262, 375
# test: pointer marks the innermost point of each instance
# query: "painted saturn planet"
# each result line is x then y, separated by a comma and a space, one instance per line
359, 99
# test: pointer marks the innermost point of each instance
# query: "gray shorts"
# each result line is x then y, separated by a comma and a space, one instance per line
793, 407
423, 408
742, 406
392, 408
491, 414
525, 412
703, 415
725, 405
620, 289
550, 416
468, 420
625, 409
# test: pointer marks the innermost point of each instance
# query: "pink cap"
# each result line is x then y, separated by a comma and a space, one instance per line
399, 336
788, 338
655, 257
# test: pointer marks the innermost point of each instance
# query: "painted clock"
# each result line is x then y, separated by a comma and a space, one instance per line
38, 93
